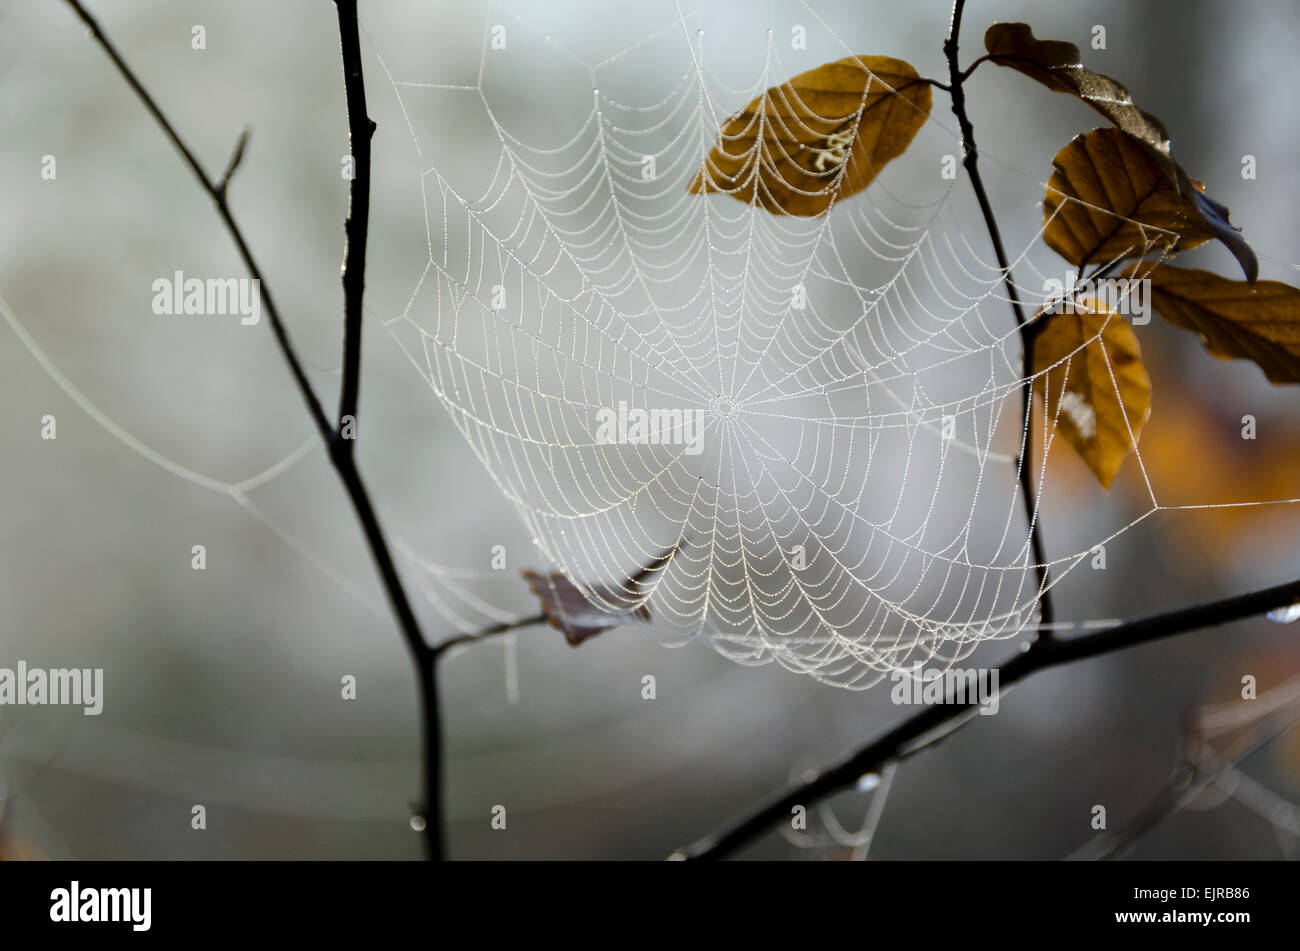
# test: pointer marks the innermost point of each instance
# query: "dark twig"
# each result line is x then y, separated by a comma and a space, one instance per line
217, 192
970, 159
339, 449
357, 226
236, 156
938, 721
357, 229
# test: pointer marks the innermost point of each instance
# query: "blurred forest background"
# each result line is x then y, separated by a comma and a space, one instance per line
222, 686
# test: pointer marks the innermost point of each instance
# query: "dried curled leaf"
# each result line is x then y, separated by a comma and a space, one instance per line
818, 138
580, 615
1234, 319
1215, 217
1095, 389
1109, 199
1059, 66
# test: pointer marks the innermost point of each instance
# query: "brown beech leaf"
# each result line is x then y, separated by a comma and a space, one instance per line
580, 617
1093, 384
1058, 66
1234, 319
824, 135
1109, 198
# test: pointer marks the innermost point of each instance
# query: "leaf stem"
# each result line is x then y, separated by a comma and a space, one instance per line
973, 66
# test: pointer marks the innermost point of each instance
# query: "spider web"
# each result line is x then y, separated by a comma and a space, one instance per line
823, 437
850, 504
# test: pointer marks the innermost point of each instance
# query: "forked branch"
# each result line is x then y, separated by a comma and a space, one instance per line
340, 448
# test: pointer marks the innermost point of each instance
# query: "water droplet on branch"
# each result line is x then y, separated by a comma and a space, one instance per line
1286, 615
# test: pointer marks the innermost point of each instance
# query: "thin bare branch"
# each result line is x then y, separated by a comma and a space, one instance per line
357, 226
970, 159
219, 199
236, 156
440, 650
339, 448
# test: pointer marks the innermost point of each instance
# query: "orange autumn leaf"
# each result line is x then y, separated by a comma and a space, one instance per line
1088, 372
818, 138
1109, 199
1059, 66
1234, 319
